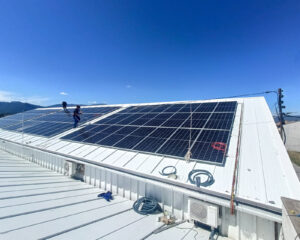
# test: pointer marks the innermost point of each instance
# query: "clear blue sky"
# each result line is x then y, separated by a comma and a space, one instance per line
145, 51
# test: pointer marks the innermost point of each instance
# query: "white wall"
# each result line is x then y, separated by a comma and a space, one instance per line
292, 131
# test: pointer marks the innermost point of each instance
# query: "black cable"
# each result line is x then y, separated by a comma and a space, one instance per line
196, 173
168, 173
214, 232
284, 135
146, 205
248, 94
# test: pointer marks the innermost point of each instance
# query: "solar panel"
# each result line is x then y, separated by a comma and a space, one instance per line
15, 121
49, 122
166, 129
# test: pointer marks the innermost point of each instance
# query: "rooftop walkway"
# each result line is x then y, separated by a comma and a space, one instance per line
36, 203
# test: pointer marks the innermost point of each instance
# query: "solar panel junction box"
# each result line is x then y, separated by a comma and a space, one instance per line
204, 212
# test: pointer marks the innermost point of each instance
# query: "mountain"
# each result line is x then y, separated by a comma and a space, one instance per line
288, 118
7, 108
69, 105
74, 105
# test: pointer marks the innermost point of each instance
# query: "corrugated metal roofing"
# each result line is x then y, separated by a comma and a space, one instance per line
36, 203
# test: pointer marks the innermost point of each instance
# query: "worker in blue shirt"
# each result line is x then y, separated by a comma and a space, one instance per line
76, 115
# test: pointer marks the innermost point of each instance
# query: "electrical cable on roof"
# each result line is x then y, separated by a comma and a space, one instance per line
194, 178
189, 152
170, 174
146, 205
214, 232
283, 130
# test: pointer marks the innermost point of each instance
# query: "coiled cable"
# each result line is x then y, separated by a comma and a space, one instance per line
164, 171
197, 173
146, 205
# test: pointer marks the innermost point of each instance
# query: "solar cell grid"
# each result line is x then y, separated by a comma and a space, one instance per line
95, 138
162, 132
166, 130
111, 129
111, 139
126, 130
145, 109
202, 150
143, 131
85, 132
111, 119
128, 120
149, 144
221, 116
174, 148
206, 107
218, 124
158, 119
184, 134
195, 123
4, 123
20, 126
187, 108
174, 108
56, 129
82, 136
213, 136
38, 128
161, 108
98, 110
49, 122
20, 118
142, 120
128, 141
226, 107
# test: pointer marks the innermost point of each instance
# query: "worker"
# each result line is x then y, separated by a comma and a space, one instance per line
76, 115
64, 105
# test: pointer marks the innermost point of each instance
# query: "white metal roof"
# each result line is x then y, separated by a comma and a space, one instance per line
265, 172
37, 203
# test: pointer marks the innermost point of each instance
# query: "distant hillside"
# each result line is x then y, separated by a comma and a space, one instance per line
288, 119
69, 105
73, 105
7, 108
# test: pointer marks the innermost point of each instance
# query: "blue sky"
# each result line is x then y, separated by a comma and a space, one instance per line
146, 51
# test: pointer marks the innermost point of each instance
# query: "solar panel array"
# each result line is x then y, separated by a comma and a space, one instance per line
49, 122
166, 129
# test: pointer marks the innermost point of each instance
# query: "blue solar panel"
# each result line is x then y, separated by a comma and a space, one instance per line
50, 122
16, 121
167, 129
